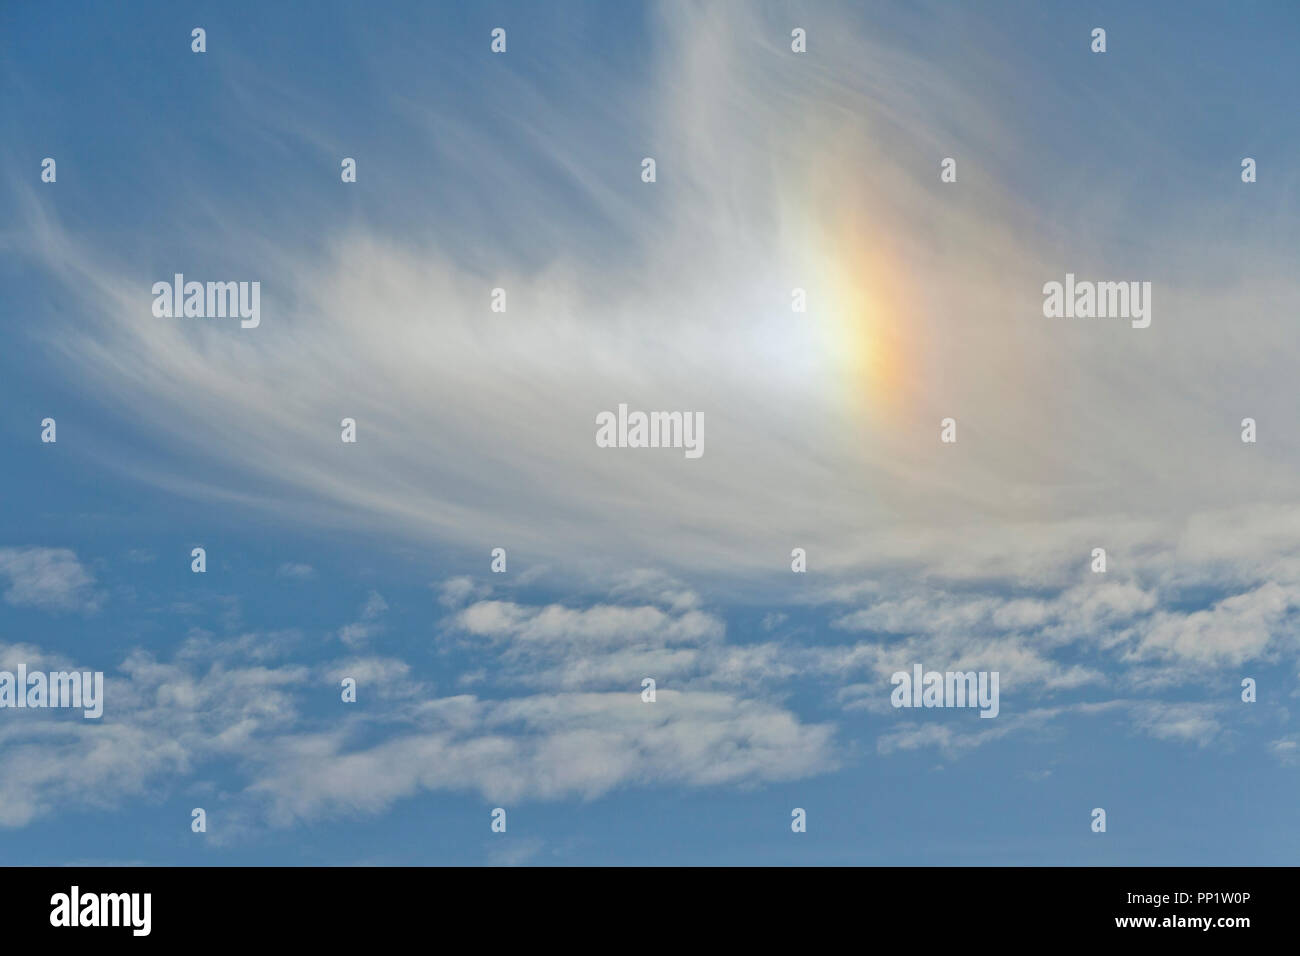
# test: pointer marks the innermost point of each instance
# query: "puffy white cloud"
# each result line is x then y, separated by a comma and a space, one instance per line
604, 624
548, 746
1236, 629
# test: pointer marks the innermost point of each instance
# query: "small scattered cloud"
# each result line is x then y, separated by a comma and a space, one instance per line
367, 626
51, 579
1286, 749
296, 571
515, 852
459, 591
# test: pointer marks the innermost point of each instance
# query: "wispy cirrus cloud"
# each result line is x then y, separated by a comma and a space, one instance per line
691, 310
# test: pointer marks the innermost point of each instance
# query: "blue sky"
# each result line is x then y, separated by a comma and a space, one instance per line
522, 690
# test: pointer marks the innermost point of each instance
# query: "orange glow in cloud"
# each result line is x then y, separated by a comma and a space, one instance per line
864, 317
